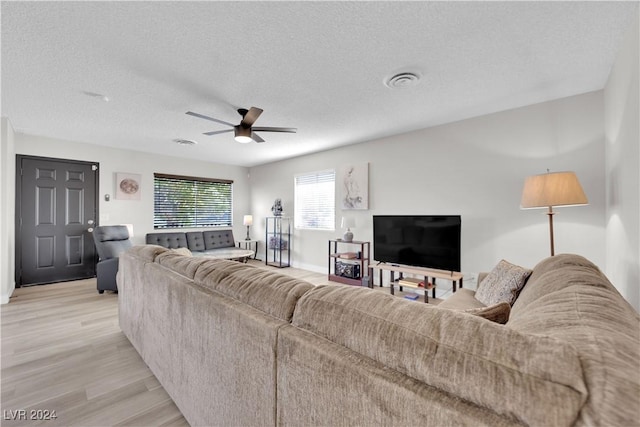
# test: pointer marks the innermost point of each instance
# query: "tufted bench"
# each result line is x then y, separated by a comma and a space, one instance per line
199, 242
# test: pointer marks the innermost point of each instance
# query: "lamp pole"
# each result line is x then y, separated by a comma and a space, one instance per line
551, 213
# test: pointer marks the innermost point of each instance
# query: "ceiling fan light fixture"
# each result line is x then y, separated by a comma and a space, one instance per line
242, 134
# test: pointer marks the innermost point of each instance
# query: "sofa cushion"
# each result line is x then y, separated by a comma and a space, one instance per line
181, 264
168, 240
498, 313
182, 251
268, 291
462, 299
195, 240
214, 239
479, 361
147, 252
502, 284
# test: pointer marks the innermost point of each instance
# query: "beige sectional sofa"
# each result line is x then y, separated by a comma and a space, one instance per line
237, 345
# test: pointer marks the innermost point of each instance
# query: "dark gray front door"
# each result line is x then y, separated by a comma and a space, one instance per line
56, 209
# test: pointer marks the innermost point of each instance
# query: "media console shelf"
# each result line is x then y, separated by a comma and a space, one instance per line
348, 267
430, 276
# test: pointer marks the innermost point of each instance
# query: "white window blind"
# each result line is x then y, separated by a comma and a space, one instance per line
182, 201
315, 200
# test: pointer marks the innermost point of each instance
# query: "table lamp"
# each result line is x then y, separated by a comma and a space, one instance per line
347, 222
552, 189
248, 221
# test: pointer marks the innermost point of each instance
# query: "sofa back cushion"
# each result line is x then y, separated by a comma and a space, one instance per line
568, 298
218, 239
268, 291
180, 263
168, 240
146, 253
478, 360
195, 240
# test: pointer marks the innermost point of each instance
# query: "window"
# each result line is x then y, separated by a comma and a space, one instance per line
183, 201
315, 200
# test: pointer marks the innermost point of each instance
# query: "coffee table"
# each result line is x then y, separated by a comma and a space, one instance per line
231, 253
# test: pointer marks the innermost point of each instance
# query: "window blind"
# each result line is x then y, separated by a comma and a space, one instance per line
315, 200
181, 201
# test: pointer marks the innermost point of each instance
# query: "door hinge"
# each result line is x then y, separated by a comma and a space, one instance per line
94, 167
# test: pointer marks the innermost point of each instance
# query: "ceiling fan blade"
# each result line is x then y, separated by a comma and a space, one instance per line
252, 115
215, 132
202, 116
256, 137
272, 129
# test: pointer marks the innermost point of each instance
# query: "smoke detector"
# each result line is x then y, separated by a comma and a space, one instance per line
402, 80
185, 141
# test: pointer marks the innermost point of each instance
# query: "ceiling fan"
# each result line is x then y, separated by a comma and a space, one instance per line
245, 131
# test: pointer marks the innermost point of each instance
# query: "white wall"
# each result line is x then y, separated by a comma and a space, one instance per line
7, 211
475, 168
139, 213
622, 128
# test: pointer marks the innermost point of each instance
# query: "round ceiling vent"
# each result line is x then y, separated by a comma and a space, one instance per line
401, 80
185, 141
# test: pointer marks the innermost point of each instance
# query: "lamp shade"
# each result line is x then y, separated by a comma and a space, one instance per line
347, 222
247, 220
552, 189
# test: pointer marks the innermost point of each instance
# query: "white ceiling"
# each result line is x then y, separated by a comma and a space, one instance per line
317, 66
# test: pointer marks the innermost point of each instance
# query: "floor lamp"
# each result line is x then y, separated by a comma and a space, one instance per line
552, 189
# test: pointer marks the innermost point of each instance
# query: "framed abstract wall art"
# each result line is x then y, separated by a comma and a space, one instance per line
128, 186
354, 180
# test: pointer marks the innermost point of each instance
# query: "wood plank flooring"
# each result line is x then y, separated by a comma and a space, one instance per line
63, 351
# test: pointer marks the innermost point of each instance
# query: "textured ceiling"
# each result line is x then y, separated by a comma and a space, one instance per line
317, 66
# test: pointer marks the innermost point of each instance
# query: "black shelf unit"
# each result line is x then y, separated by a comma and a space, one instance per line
278, 241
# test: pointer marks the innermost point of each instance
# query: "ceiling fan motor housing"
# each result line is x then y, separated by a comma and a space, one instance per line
242, 134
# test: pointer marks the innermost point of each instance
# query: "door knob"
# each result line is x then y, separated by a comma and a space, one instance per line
90, 229
90, 222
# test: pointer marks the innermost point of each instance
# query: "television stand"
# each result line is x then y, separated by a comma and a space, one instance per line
430, 275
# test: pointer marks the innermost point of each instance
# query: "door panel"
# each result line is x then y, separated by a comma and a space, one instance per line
56, 201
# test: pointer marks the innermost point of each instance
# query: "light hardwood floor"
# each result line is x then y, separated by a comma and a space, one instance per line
63, 351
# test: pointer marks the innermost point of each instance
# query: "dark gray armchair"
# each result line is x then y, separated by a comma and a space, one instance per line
111, 241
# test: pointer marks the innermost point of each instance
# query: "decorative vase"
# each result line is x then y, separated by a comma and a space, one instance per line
348, 236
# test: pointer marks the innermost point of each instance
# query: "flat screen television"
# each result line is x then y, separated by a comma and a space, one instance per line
431, 241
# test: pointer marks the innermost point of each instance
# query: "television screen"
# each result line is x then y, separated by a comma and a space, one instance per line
431, 241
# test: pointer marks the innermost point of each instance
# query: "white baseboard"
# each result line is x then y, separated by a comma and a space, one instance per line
4, 297
311, 267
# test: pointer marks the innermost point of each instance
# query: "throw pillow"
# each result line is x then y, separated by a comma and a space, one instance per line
502, 284
498, 313
182, 251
